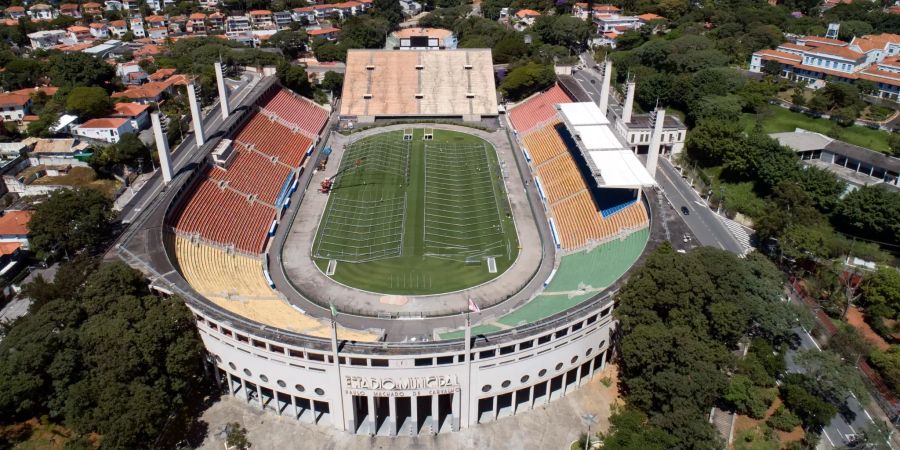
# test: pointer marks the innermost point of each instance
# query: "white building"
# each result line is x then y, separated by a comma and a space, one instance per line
137, 26
136, 113
42, 11
13, 107
41, 40
105, 129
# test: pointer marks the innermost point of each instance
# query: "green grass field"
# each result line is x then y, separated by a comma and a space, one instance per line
779, 120
417, 217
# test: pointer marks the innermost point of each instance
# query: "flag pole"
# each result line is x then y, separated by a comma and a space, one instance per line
468, 359
337, 364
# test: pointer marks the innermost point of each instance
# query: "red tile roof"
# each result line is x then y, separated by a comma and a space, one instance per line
49, 90
130, 109
15, 9
8, 248
15, 222
105, 122
527, 13
14, 100
322, 31
260, 12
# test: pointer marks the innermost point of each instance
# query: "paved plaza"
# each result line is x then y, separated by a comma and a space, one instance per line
552, 426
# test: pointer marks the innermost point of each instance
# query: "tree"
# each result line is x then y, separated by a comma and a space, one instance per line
715, 141
21, 73
56, 226
333, 82
629, 429
79, 69
236, 436
567, 31
811, 409
870, 212
295, 78
849, 343
771, 67
389, 10
888, 364
291, 43
107, 340
89, 102
747, 398
832, 378
882, 290
526, 80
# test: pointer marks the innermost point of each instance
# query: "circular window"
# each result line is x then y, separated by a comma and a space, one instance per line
574, 358
218, 358
505, 384
319, 391
588, 352
559, 366
486, 388
299, 387
264, 378
248, 373
281, 383
602, 344
525, 379
542, 372
233, 367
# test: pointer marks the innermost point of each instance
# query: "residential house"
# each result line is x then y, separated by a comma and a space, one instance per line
815, 61
42, 11
137, 27
238, 28
16, 12
329, 33
156, 22
261, 19
79, 33
196, 23
131, 73
158, 34
14, 230
216, 21
410, 7
525, 18
145, 93
106, 129
582, 11
306, 14
14, 107
99, 30
70, 9
118, 28
92, 8
282, 19
113, 5
138, 114
43, 40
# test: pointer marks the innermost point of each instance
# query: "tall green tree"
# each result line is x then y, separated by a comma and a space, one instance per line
870, 212
79, 69
89, 102
58, 227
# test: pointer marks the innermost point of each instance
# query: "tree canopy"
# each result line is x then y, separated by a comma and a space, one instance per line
526, 80
89, 102
58, 227
106, 356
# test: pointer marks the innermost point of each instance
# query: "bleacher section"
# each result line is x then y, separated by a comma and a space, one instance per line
273, 139
237, 284
223, 216
296, 110
537, 110
580, 276
571, 202
253, 173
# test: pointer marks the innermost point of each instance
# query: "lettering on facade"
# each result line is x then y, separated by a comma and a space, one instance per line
447, 383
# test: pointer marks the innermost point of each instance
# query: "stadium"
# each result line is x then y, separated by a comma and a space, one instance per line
407, 277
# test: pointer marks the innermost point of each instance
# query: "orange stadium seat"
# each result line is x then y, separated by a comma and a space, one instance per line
224, 217
298, 111
560, 178
253, 173
537, 109
274, 139
544, 144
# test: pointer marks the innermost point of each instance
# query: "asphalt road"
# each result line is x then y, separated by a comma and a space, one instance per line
185, 150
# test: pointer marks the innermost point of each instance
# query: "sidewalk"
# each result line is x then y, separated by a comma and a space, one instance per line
130, 191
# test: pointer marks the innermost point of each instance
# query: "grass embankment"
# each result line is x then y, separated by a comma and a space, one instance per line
778, 120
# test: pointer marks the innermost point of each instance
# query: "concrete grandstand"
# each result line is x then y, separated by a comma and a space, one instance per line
233, 235
419, 83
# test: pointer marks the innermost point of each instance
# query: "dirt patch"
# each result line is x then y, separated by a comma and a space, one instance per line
32, 434
856, 320
743, 423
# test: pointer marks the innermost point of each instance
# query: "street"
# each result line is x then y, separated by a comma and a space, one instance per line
212, 121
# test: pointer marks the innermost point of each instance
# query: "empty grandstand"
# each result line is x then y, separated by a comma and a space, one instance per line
419, 83
580, 212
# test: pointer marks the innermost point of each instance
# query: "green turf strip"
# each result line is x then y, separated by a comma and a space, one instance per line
476, 330
402, 222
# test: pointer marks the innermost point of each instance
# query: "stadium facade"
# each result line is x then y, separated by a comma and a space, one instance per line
215, 238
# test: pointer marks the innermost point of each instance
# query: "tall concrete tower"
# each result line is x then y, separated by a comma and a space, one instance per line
162, 148
223, 92
195, 115
658, 117
629, 101
604, 89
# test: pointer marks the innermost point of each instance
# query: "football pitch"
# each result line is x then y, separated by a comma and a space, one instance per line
417, 216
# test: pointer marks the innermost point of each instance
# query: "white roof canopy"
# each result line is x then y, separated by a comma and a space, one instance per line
621, 168
598, 138
584, 113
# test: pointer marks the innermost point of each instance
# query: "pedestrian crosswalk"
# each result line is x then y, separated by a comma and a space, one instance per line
740, 233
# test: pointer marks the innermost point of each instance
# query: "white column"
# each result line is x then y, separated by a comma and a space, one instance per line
655, 138
435, 414
340, 381
604, 89
294, 407
531, 397
162, 148
223, 92
371, 417
629, 101
392, 418
199, 138
466, 413
457, 399
262, 403
414, 403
